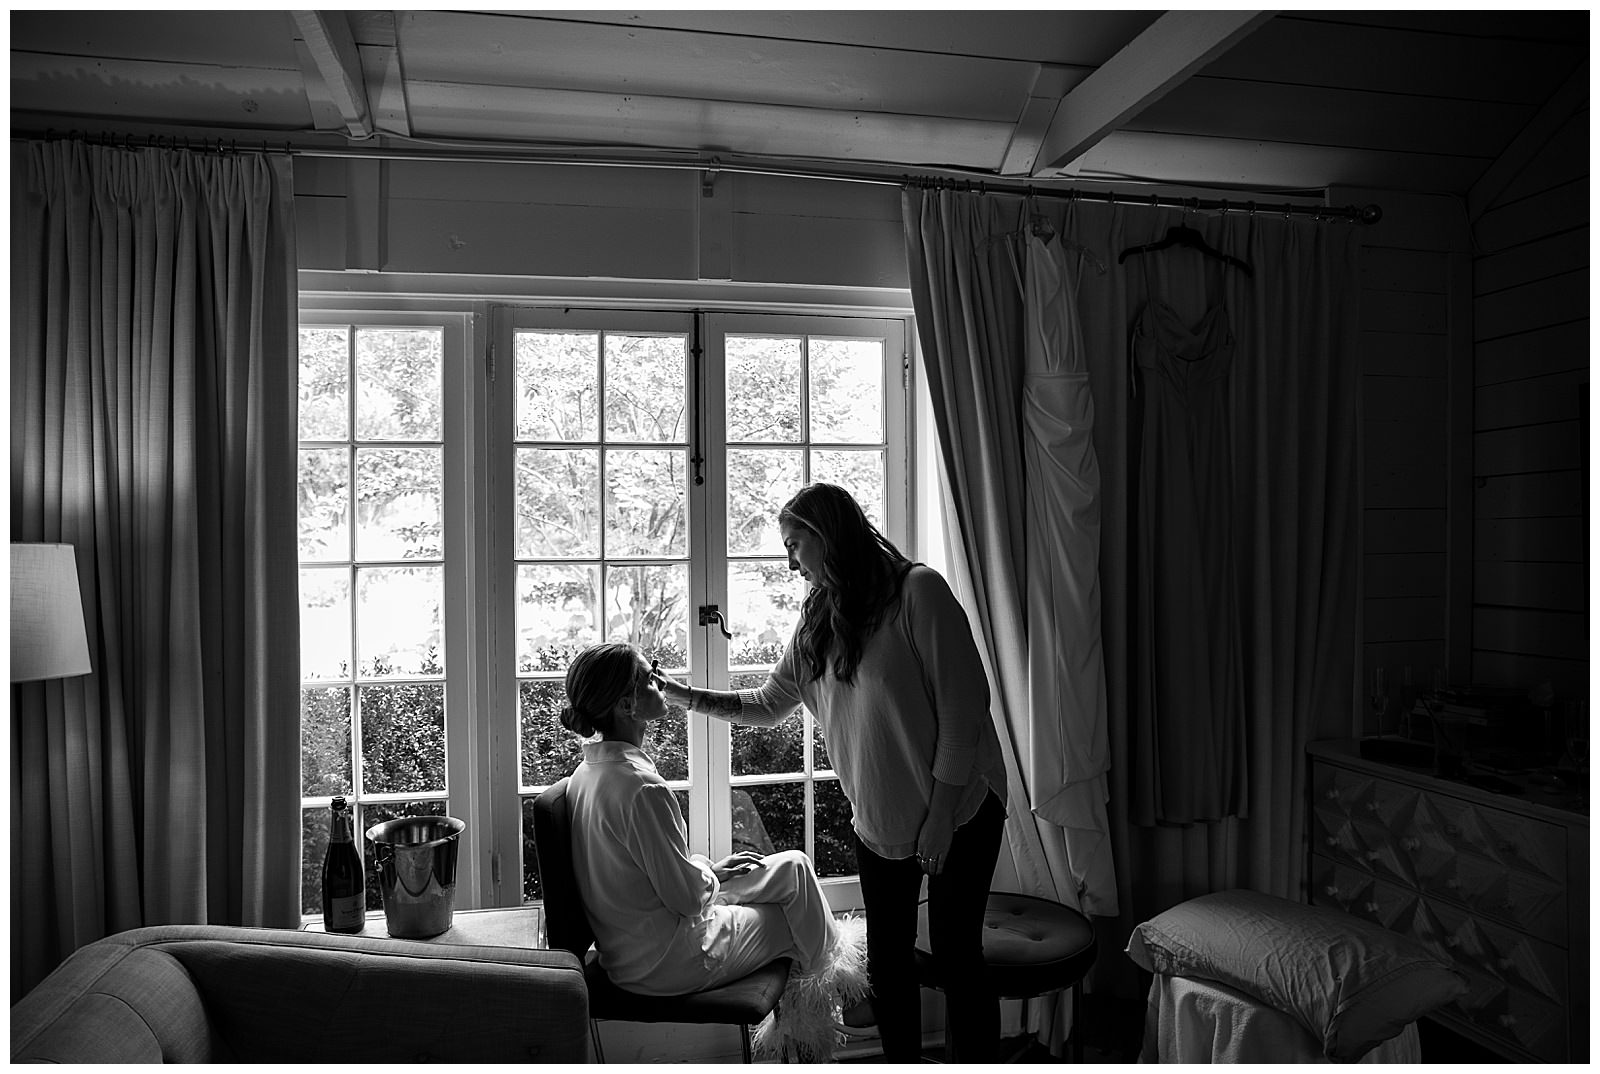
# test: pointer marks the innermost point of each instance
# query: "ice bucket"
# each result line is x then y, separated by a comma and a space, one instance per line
415, 858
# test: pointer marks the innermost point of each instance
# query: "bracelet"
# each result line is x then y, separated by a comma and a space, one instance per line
691, 699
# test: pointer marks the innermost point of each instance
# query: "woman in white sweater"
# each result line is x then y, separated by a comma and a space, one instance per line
884, 657
667, 922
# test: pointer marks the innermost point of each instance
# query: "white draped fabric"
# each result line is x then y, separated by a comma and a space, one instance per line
1068, 756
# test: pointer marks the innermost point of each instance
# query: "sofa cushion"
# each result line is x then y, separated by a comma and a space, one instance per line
219, 993
482, 1007
1352, 984
112, 1002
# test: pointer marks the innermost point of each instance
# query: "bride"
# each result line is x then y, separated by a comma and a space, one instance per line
668, 922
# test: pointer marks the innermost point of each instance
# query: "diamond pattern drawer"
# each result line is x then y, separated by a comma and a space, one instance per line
1498, 892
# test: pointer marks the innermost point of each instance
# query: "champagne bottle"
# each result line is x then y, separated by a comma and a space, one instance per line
344, 882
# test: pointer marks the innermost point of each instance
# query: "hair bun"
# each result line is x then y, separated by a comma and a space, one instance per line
575, 721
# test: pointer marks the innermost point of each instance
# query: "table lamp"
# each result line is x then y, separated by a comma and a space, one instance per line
47, 635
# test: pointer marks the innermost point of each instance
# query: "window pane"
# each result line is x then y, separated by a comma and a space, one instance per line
835, 854
324, 623
324, 383
324, 504
764, 599
558, 386
646, 512
847, 391
763, 389
532, 884
646, 389
313, 848
558, 502
649, 607
768, 751
399, 621
398, 394
557, 615
402, 738
549, 750
667, 743
759, 484
859, 473
325, 741
769, 817
399, 503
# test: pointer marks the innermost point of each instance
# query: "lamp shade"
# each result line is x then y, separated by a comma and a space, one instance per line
47, 636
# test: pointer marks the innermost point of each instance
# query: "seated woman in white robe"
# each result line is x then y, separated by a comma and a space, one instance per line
667, 922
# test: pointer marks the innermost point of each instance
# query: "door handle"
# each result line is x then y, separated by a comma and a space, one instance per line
709, 614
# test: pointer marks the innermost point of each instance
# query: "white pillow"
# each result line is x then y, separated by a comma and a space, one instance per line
1352, 984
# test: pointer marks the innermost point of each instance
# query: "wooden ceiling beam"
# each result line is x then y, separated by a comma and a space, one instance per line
333, 49
1163, 56
1050, 83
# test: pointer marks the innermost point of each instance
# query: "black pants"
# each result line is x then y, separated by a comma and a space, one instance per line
956, 901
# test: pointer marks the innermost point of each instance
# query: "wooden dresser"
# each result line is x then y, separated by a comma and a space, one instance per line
1498, 884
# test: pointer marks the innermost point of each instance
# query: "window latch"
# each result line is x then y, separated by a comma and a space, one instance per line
710, 614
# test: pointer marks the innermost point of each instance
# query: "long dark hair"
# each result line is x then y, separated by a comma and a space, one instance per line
862, 574
597, 679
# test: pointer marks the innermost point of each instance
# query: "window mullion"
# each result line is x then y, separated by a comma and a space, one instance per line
708, 579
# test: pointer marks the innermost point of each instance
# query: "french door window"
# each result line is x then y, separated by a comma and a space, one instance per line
633, 465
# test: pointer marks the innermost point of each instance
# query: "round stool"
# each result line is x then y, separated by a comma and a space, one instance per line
1032, 947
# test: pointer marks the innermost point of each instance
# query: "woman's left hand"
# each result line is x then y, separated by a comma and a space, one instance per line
733, 865
933, 844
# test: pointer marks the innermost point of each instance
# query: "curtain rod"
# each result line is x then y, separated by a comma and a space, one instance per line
1361, 214
945, 179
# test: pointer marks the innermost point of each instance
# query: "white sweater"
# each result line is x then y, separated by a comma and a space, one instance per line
917, 711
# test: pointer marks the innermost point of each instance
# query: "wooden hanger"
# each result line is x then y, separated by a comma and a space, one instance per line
1184, 236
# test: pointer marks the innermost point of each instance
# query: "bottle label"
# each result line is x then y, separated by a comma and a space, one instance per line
346, 912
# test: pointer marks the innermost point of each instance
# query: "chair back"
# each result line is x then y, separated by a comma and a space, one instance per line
566, 924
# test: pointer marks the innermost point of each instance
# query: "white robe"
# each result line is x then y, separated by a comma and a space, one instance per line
664, 925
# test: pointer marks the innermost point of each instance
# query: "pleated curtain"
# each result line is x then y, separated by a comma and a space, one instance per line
153, 401
1291, 510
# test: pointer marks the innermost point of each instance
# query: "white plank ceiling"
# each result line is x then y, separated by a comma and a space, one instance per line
1289, 102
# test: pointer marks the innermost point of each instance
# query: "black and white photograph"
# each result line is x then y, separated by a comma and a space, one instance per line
845, 535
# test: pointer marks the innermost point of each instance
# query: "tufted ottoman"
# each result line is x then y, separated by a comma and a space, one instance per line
1033, 947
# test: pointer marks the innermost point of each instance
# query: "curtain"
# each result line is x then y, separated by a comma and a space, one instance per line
153, 429
1290, 437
